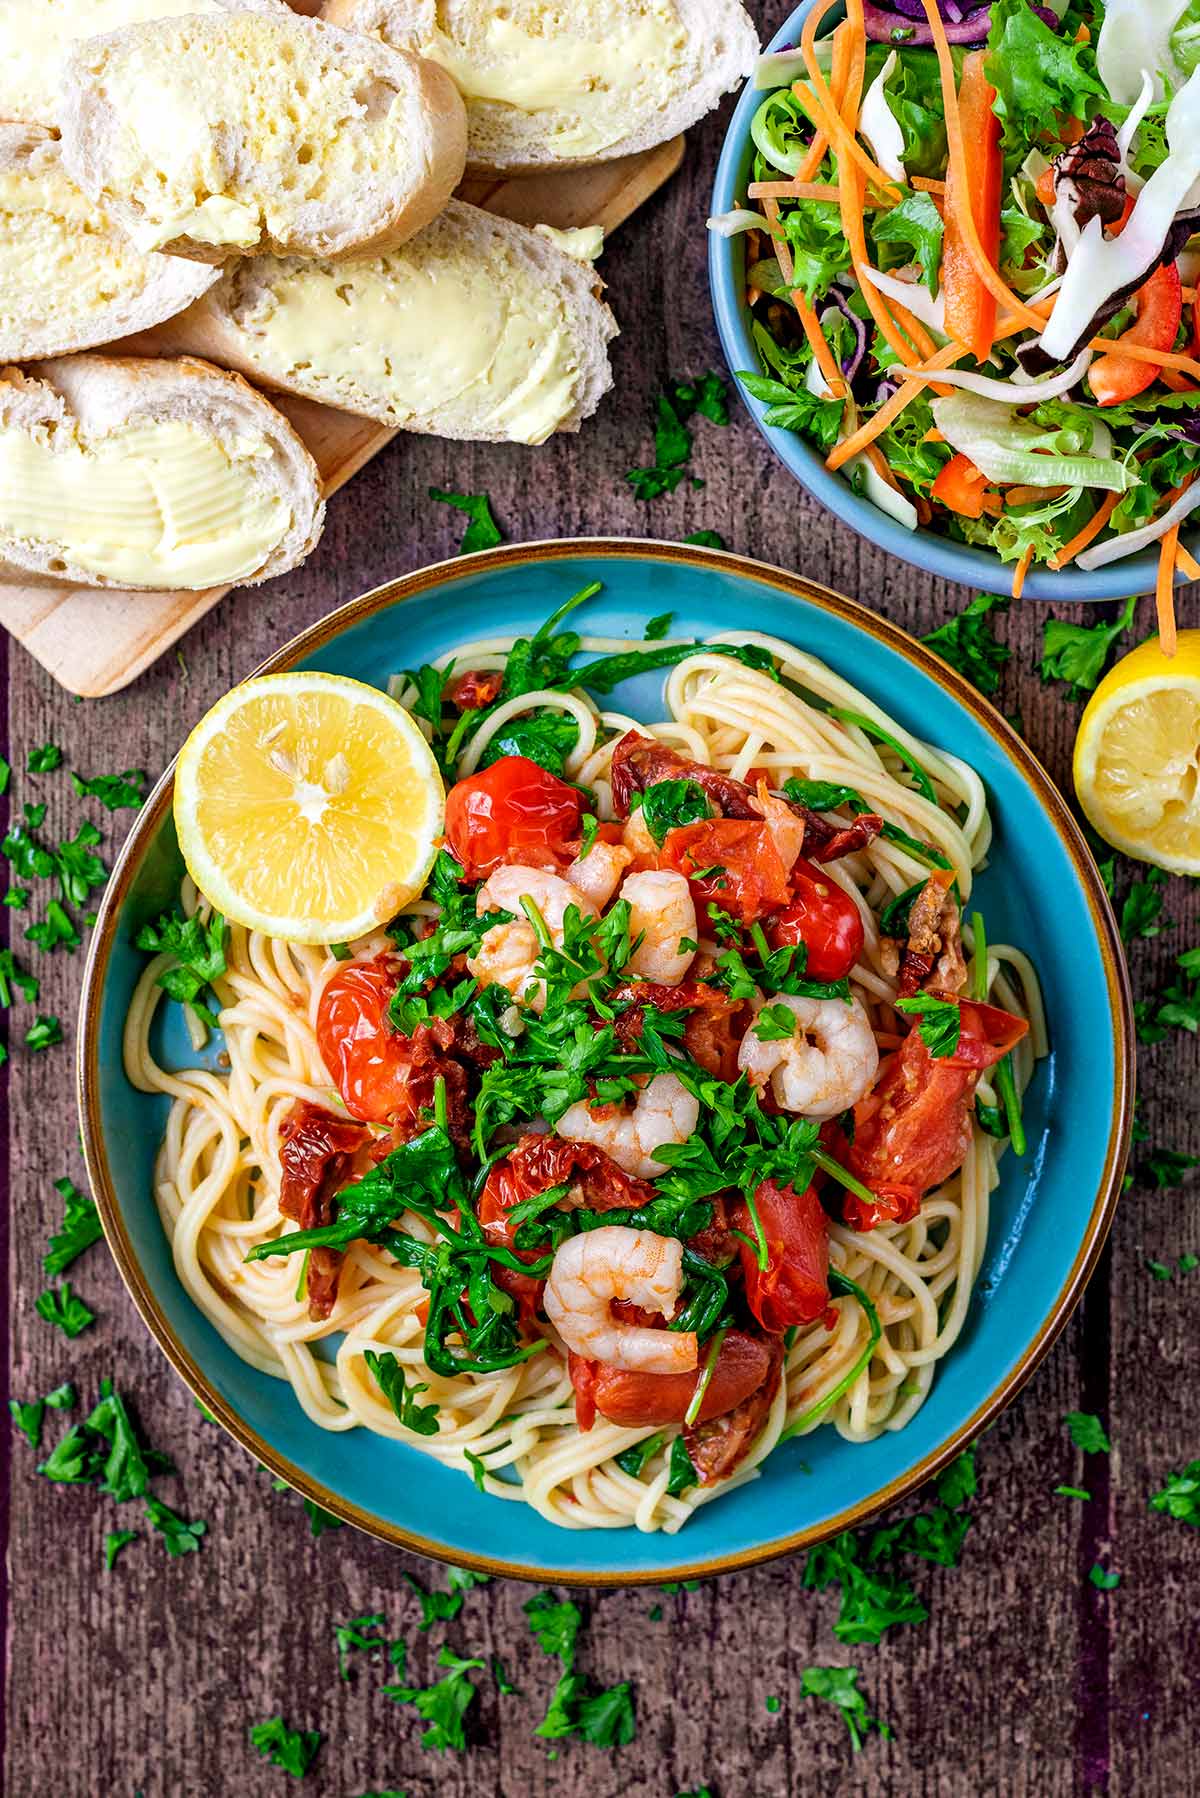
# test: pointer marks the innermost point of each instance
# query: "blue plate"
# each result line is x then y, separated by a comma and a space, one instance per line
924, 549
1050, 1214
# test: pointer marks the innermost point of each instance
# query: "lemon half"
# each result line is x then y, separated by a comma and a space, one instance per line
1137, 756
308, 806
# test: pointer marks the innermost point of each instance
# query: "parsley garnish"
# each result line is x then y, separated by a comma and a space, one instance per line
1076, 653
1105, 1582
940, 1025
482, 531
81, 1227
775, 1024
443, 1705
1141, 914
45, 759
114, 1542
839, 1686
199, 957
670, 803
116, 792
443, 1607
969, 644
44, 1033
1167, 1167
389, 1376
1180, 1497
319, 1519
672, 439
606, 1717
352, 1637
1087, 1432
1072, 1492
291, 1750
179, 1536
658, 626
28, 1419
706, 539
63, 1308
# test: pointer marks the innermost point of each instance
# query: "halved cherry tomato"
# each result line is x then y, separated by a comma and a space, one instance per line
748, 877
823, 918
913, 1131
652, 1400
793, 1288
513, 811
368, 1061
986, 1035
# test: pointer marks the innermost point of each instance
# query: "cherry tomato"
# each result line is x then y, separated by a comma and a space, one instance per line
749, 879
793, 1288
513, 811
986, 1034
651, 1400
823, 918
914, 1130
368, 1061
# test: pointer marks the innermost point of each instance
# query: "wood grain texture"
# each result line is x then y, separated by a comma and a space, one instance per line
94, 641
1025, 1683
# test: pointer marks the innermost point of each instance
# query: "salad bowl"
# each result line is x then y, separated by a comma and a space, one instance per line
1050, 1212
924, 548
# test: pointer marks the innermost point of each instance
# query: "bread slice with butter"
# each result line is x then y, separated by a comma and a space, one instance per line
549, 82
69, 279
36, 36
128, 472
478, 328
253, 135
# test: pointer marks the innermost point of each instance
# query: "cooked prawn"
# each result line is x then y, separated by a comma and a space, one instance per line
597, 874
637, 1266
637, 838
785, 828
825, 1066
665, 1112
663, 915
508, 952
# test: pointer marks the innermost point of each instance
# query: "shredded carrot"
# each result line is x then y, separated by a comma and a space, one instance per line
843, 58
926, 185
822, 354
1176, 382
889, 411
843, 139
1164, 592
1083, 35
1186, 562
913, 329
933, 435
800, 190
1024, 496
1082, 538
1021, 570
876, 458
1188, 294
847, 147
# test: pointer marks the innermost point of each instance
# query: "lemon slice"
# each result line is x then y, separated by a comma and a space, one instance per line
308, 806
1137, 756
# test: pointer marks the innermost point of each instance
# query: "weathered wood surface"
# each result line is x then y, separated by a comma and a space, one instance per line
1025, 1683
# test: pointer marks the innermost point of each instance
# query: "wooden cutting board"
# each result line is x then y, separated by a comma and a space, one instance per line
95, 640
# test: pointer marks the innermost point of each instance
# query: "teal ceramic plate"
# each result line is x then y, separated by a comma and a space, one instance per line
1050, 1214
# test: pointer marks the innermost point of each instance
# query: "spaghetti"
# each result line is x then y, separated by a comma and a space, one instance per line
899, 1292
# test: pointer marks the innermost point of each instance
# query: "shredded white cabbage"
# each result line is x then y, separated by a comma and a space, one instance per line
779, 68
874, 487
1015, 393
739, 218
1101, 266
1135, 39
877, 124
1131, 541
1009, 448
913, 294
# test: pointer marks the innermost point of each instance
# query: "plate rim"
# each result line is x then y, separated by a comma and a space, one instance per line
400, 591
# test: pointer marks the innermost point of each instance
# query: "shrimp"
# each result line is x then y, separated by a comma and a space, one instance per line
597, 874
637, 839
825, 1066
665, 1112
662, 913
508, 952
786, 830
637, 1266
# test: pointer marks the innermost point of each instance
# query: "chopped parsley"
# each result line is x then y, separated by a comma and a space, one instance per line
839, 1686
291, 1750
1072, 1492
28, 1419
81, 1227
443, 1705
389, 1377
482, 531
1141, 914
1180, 1497
1175, 1006
353, 1637
706, 540
1076, 653
44, 1033
969, 643
657, 627
319, 1519
1102, 1580
45, 759
179, 1536
669, 804
940, 1025
605, 1717
11, 974
198, 952
707, 397
1087, 1432
114, 1542
116, 792
60, 1306
1167, 1167
443, 1607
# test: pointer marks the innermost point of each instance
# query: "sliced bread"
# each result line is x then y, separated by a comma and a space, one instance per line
35, 36
548, 82
255, 135
478, 328
69, 279
126, 472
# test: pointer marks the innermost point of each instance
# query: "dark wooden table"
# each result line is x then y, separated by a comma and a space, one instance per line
1026, 1682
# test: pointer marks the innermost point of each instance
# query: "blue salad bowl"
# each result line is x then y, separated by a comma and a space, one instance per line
925, 549
1050, 1213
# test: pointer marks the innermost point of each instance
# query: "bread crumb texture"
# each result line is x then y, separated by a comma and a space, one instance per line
35, 36
242, 131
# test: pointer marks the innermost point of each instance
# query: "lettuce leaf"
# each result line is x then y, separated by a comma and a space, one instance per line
1036, 73
917, 224
813, 229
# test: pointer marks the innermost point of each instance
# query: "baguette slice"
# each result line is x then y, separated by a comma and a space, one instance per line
249, 135
128, 472
36, 35
549, 82
69, 279
477, 329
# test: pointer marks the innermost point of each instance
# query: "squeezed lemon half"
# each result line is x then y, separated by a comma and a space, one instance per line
308, 806
1137, 756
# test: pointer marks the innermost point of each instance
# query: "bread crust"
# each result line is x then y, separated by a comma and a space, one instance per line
369, 214
213, 324
171, 283
105, 393
502, 140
